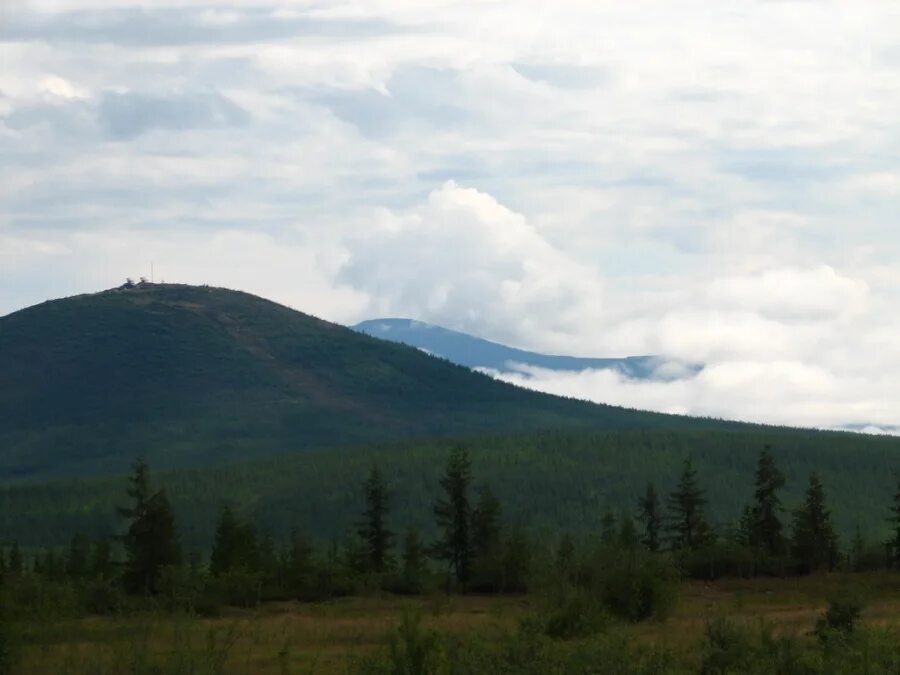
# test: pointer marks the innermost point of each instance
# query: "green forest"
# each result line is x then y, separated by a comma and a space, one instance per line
626, 572
547, 481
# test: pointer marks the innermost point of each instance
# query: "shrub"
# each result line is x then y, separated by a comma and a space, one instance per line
841, 617
102, 596
412, 650
8, 652
575, 617
728, 649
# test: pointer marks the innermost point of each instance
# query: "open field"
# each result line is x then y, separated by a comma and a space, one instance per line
330, 637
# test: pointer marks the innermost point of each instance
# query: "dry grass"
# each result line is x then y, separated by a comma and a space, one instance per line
326, 638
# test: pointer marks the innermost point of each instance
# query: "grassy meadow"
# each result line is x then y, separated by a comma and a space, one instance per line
343, 636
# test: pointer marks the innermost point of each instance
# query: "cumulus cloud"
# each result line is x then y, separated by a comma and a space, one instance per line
464, 260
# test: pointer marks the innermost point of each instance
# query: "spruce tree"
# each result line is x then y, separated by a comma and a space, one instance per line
608, 528
414, 564
857, 551
101, 559
373, 529
453, 513
516, 561
16, 565
150, 541
300, 567
650, 514
235, 546
627, 536
688, 527
766, 533
814, 542
894, 544
77, 558
487, 563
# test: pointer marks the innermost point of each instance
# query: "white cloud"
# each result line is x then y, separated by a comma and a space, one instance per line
465, 261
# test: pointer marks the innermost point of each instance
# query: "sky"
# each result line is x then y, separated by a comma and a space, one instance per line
715, 182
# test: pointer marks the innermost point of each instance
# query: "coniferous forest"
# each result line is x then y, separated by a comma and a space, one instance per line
573, 592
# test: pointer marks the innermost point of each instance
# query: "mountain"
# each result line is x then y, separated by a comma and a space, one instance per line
473, 352
191, 376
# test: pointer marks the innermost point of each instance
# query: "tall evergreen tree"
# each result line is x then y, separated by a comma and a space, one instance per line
516, 561
486, 523
894, 544
299, 567
77, 558
814, 542
150, 541
373, 529
627, 537
857, 551
487, 552
608, 528
101, 559
650, 514
414, 564
16, 565
453, 514
235, 546
688, 527
766, 533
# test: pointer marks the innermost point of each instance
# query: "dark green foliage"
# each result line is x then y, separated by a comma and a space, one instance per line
894, 520
150, 542
650, 514
765, 532
300, 573
608, 528
77, 558
236, 545
373, 529
487, 549
688, 529
841, 617
15, 566
453, 514
814, 542
103, 596
729, 649
8, 644
577, 616
627, 536
552, 481
516, 562
101, 565
415, 566
196, 376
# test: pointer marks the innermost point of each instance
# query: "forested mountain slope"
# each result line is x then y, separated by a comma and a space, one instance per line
552, 482
190, 376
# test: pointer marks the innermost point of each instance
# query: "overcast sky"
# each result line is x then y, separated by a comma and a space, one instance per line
716, 181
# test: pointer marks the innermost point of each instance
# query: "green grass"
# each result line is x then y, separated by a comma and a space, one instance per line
330, 637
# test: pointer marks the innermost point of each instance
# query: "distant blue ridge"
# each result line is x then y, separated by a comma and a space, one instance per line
473, 352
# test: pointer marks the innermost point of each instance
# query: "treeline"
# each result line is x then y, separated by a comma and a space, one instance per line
474, 548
